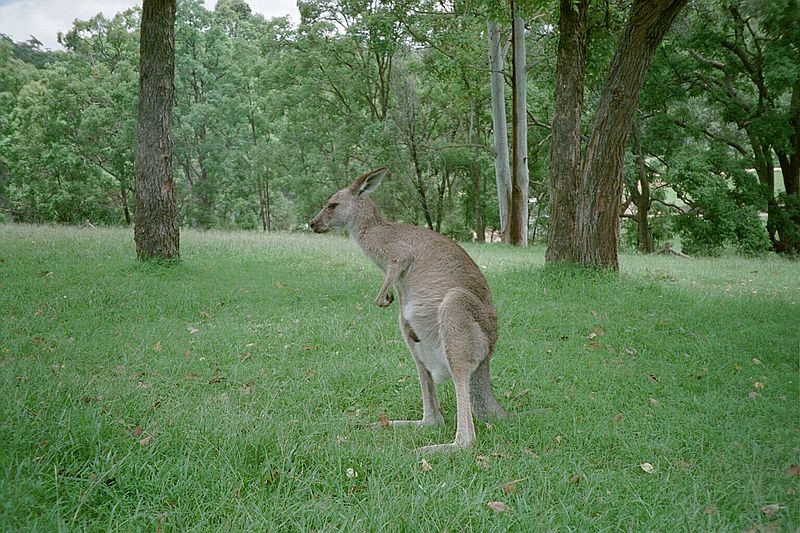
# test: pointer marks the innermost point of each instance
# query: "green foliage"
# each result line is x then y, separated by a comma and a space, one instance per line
230, 391
720, 205
271, 117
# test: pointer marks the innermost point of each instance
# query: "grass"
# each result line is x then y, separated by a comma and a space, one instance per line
229, 391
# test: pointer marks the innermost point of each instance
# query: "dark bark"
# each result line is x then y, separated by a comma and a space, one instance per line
600, 193
480, 227
788, 227
123, 192
419, 185
641, 198
565, 140
518, 214
264, 204
156, 231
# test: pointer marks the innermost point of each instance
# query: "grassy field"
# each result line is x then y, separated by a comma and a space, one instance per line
230, 391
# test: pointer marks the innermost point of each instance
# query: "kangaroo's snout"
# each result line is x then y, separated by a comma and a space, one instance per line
316, 227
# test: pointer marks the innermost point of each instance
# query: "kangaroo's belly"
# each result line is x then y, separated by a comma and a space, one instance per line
426, 344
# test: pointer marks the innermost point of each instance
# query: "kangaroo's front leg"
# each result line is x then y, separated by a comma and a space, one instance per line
385, 298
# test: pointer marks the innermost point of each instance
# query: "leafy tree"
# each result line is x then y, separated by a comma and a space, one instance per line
745, 64
594, 235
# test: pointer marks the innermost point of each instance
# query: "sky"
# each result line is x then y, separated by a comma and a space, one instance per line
19, 19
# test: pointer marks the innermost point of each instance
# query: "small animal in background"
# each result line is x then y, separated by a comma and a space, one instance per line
446, 313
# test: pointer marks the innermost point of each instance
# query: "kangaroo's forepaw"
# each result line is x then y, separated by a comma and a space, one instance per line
384, 299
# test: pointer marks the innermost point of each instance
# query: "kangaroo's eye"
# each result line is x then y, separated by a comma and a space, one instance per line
332, 206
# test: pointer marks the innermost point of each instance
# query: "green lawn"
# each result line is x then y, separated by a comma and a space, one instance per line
230, 391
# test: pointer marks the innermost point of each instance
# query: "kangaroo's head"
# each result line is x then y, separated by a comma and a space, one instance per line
343, 207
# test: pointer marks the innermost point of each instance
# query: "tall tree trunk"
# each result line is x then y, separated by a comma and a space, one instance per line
480, 227
641, 199
790, 163
790, 167
123, 191
419, 185
765, 170
502, 167
518, 216
475, 175
565, 139
156, 231
263, 202
600, 194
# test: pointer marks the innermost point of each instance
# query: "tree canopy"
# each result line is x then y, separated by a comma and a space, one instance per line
270, 116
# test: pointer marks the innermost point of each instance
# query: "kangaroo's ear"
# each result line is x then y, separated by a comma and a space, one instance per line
368, 182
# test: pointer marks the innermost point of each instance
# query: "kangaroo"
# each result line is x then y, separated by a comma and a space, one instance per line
447, 317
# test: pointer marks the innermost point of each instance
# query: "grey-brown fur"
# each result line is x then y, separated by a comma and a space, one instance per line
446, 313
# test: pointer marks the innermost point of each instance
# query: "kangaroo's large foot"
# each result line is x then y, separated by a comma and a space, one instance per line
451, 447
425, 422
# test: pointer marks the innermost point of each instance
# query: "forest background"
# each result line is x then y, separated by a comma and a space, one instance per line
271, 116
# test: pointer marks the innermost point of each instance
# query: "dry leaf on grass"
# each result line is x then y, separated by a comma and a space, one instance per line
772, 509
753, 395
146, 441
647, 467
793, 471
351, 473
384, 421
158, 347
498, 507
772, 527
758, 385
425, 466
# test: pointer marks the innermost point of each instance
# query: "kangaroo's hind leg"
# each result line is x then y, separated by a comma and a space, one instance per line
466, 345
484, 402
431, 410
